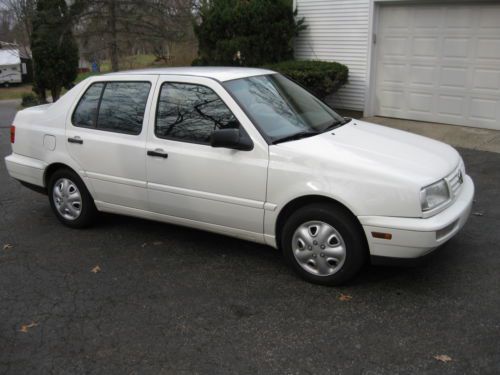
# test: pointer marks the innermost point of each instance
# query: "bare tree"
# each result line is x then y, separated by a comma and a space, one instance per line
21, 12
114, 28
121, 26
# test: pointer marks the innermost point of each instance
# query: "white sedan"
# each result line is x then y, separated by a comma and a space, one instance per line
246, 153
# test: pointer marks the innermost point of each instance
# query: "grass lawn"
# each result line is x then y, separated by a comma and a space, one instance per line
130, 62
14, 92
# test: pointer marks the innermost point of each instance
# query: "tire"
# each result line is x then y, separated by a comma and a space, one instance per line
64, 189
324, 244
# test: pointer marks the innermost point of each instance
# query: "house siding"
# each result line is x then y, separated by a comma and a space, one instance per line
338, 30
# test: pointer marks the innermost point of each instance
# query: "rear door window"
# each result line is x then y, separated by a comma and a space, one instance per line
113, 106
122, 107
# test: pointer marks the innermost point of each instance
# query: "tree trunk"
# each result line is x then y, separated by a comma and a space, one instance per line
55, 92
113, 48
40, 92
42, 96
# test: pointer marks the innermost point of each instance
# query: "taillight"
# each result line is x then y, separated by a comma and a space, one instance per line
12, 134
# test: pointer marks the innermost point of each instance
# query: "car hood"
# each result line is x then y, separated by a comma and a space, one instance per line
364, 145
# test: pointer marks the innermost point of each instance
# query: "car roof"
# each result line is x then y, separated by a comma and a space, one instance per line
220, 73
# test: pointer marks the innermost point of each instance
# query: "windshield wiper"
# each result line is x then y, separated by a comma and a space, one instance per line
309, 133
336, 124
296, 136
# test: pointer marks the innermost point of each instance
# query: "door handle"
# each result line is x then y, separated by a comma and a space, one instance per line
158, 153
76, 139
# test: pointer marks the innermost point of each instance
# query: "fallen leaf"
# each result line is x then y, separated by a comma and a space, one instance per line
345, 297
7, 246
443, 358
96, 269
156, 243
477, 213
25, 327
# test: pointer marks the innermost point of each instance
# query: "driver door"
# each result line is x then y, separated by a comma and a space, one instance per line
218, 189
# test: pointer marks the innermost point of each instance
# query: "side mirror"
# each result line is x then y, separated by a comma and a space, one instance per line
231, 138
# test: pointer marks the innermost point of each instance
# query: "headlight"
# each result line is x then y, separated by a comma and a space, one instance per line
434, 195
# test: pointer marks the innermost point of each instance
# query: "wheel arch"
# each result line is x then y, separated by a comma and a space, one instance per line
303, 201
55, 166
50, 169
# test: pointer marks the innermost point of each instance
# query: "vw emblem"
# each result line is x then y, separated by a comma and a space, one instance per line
460, 177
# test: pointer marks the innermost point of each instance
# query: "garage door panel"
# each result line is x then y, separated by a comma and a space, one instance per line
488, 48
453, 77
439, 63
395, 46
399, 18
423, 75
427, 18
393, 73
483, 108
451, 105
391, 99
426, 46
486, 79
454, 47
459, 17
420, 102
488, 17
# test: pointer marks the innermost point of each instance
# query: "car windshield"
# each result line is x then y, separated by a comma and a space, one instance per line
282, 109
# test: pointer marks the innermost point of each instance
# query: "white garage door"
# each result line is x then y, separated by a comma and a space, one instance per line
439, 63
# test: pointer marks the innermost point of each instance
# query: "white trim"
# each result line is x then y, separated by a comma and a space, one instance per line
116, 180
270, 206
206, 195
370, 80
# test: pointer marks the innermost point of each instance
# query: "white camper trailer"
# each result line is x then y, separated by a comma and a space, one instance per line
12, 68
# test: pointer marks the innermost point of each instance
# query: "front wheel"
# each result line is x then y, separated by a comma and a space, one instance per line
70, 199
324, 244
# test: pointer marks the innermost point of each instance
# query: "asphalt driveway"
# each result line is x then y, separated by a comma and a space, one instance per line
130, 296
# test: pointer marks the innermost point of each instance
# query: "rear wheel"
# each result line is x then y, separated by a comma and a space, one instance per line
70, 200
324, 244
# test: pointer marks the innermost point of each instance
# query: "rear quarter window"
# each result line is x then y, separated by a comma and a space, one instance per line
85, 113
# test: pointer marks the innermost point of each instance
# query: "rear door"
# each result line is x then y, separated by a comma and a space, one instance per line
106, 135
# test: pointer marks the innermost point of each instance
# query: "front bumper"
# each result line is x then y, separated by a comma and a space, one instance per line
416, 237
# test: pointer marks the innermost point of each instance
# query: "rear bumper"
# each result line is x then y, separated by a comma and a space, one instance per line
415, 237
26, 169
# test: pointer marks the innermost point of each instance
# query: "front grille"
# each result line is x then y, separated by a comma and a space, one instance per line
455, 181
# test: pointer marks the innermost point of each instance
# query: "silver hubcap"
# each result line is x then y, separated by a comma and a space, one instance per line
67, 199
318, 248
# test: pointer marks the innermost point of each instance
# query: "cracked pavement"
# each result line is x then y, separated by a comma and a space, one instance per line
171, 300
